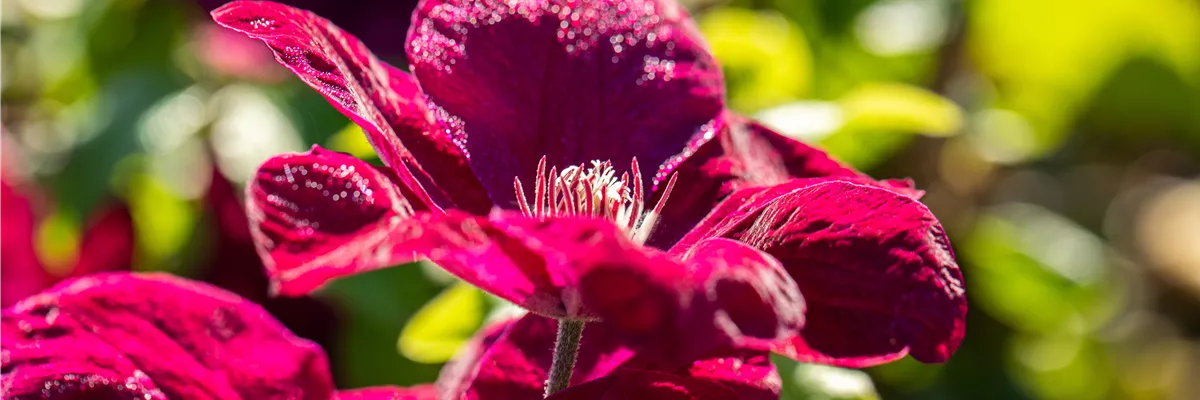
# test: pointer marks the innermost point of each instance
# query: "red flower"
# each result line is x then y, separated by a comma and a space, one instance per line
503, 89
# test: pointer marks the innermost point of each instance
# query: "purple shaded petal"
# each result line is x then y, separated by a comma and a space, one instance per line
320, 214
874, 265
386, 102
419, 392
156, 336
741, 154
632, 384
23, 272
572, 81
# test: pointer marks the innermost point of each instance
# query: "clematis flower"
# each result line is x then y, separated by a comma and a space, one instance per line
156, 336
106, 244
561, 94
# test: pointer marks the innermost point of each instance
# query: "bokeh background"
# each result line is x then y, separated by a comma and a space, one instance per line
1057, 140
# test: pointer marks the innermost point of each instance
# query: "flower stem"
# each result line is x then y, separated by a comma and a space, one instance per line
566, 347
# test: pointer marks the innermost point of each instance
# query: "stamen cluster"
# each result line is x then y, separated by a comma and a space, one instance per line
581, 190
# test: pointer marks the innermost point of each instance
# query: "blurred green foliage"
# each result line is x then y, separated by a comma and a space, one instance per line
1044, 133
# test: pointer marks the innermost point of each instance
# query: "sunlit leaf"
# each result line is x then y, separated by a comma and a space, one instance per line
58, 242
765, 56
822, 382
1036, 271
1048, 72
164, 223
444, 324
352, 140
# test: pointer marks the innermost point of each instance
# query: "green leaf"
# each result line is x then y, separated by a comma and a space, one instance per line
822, 382
351, 139
765, 56
900, 107
444, 324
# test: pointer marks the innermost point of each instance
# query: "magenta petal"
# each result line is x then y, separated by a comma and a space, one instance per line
511, 361
419, 392
154, 336
749, 373
23, 272
386, 102
875, 268
633, 384
741, 154
321, 214
604, 80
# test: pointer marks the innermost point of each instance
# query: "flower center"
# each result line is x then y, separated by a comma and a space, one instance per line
595, 191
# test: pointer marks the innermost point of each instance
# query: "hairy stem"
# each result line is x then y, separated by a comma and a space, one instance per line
566, 347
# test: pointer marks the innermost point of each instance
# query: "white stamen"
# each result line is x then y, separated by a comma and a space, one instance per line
593, 191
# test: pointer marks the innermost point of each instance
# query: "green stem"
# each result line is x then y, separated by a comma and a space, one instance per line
566, 347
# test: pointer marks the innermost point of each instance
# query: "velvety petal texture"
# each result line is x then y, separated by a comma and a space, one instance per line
874, 265
321, 214
386, 102
511, 360
153, 336
734, 153
573, 81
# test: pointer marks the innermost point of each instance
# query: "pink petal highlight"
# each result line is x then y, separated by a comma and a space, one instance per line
386, 102
153, 336
572, 81
874, 265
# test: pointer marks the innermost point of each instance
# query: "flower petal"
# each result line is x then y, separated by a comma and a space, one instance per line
511, 360
419, 392
749, 373
571, 81
154, 336
321, 214
107, 243
386, 102
741, 154
23, 272
874, 265
632, 384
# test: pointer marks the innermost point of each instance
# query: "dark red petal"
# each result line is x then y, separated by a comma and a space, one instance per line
874, 265
741, 154
154, 336
572, 81
419, 392
751, 296
23, 272
107, 242
321, 214
385, 101
633, 384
